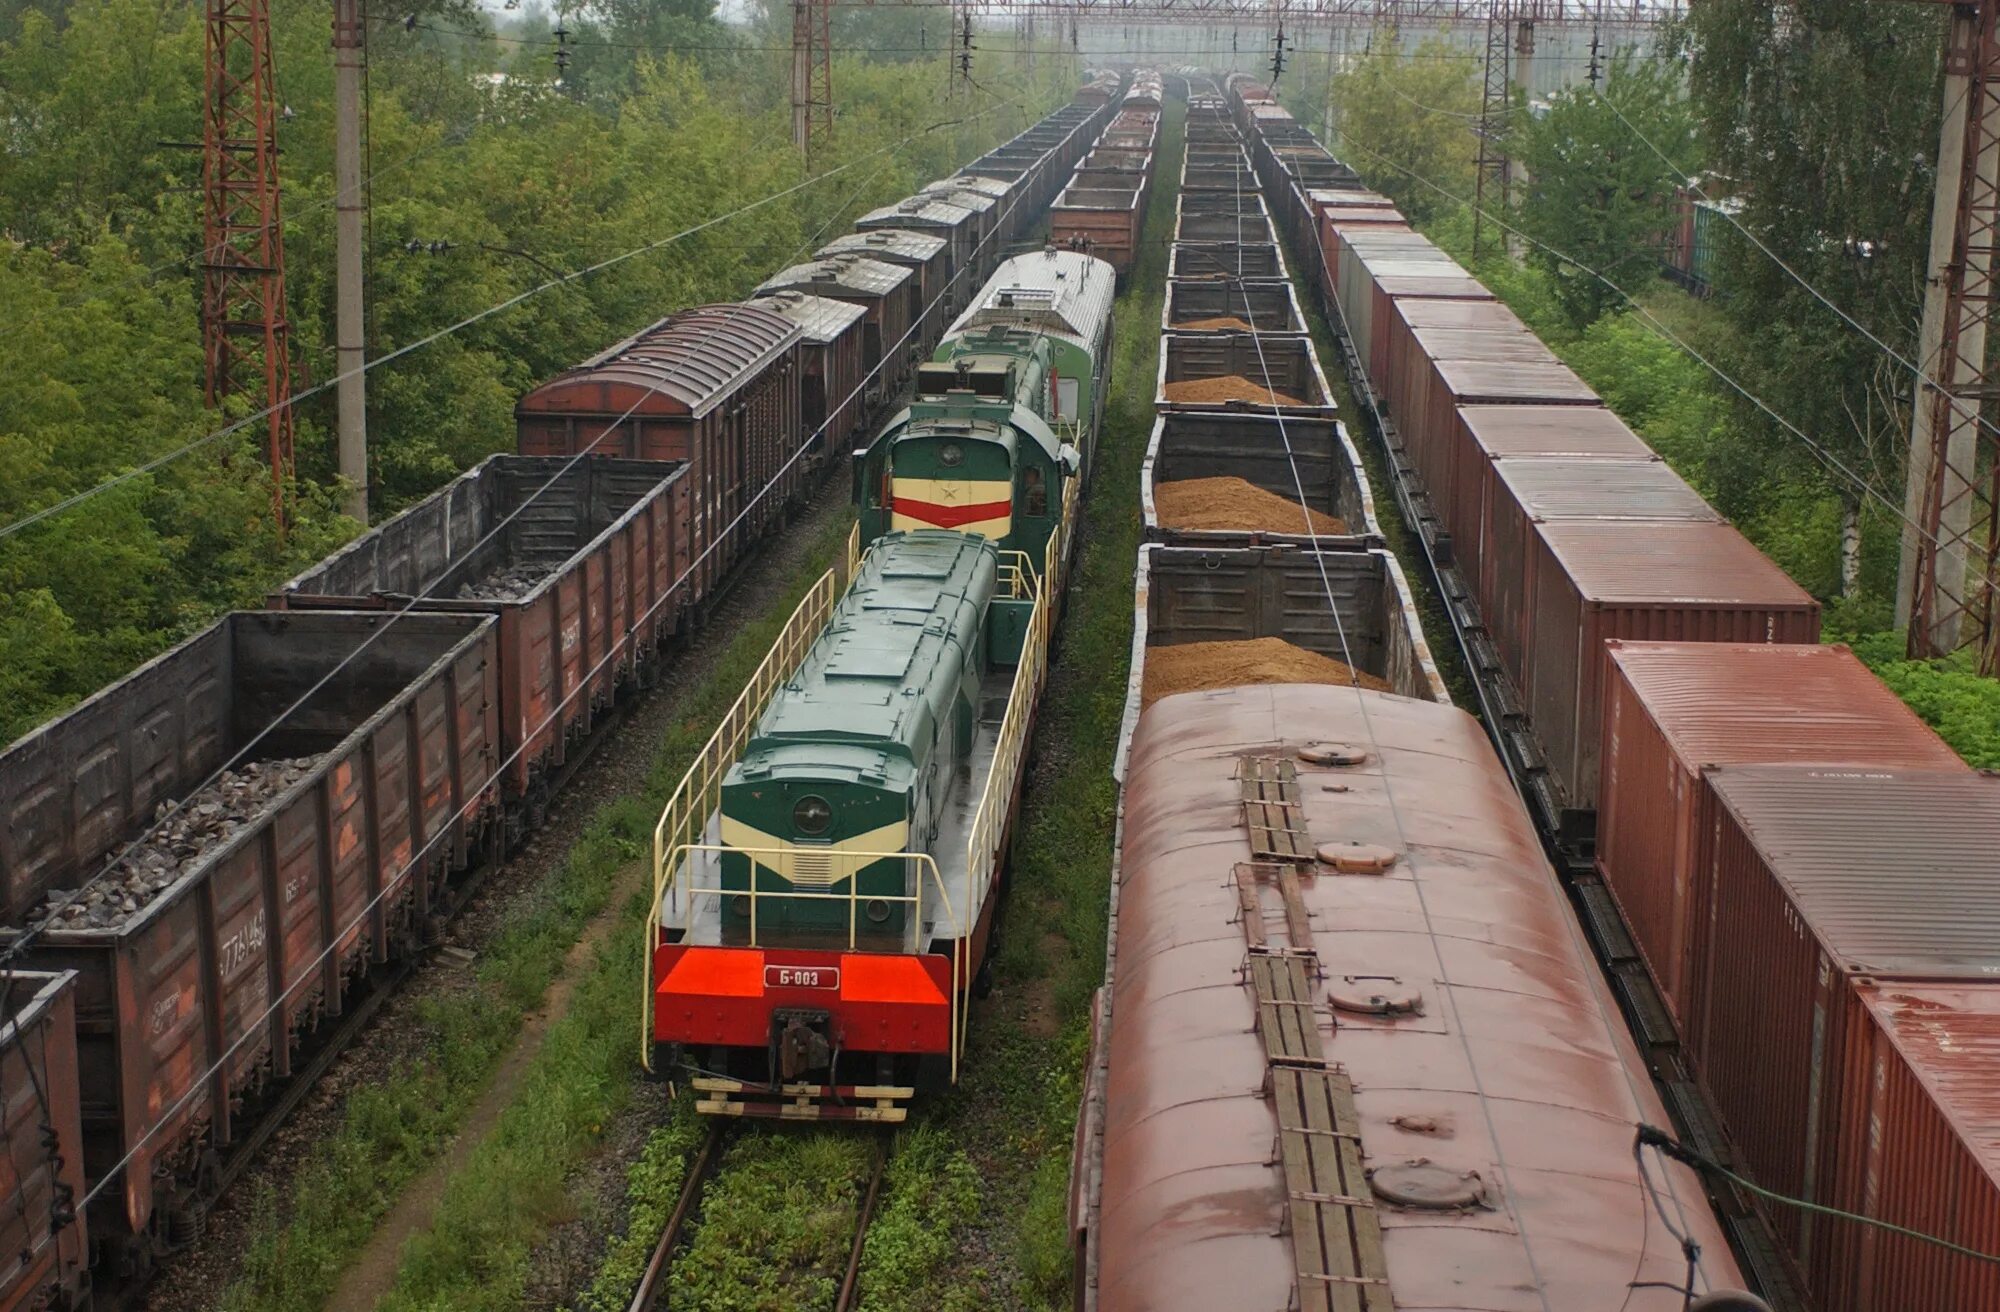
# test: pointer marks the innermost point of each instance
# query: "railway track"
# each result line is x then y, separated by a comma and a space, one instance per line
652, 1291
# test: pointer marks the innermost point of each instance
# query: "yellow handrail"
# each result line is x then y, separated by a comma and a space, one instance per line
699, 792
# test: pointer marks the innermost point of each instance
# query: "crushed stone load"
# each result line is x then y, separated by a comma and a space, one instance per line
210, 818
507, 582
1232, 503
1219, 322
1199, 666
1229, 387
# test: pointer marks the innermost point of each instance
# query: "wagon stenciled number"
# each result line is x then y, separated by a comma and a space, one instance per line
801, 977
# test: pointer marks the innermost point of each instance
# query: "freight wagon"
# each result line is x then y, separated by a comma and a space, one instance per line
44, 1240
888, 295
1208, 305
833, 351
1263, 372
927, 253
1229, 261
581, 562
206, 953
1309, 457
1104, 224
957, 225
717, 387
1351, 1052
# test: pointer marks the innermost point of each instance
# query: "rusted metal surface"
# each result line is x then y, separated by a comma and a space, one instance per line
1281, 364
1105, 223
1421, 390
1482, 434
1262, 307
611, 541
1206, 594
891, 294
1490, 1053
1410, 315
185, 1008
1228, 261
1925, 1141
717, 387
44, 1244
1673, 708
1312, 453
1828, 880
1522, 494
1662, 580
833, 355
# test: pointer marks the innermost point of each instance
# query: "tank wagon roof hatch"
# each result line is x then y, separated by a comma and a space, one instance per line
1893, 869
1051, 291
821, 319
904, 242
694, 359
849, 270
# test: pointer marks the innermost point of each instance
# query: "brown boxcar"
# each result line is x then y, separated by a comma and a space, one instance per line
582, 562
1314, 452
1831, 882
1422, 391
1411, 315
1292, 1053
44, 1242
1270, 307
1499, 564
1672, 708
1249, 262
190, 1003
987, 217
1286, 366
890, 294
1101, 223
1484, 434
1666, 580
716, 387
834, 380
927, 252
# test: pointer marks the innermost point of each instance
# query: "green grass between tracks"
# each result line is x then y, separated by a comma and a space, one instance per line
476, 1255
973, 1208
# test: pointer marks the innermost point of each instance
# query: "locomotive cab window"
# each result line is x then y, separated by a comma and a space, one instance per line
1034, 492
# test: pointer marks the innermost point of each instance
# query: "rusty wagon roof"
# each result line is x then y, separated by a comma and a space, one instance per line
687, 363
1517, 1067
1892, 869
847, 272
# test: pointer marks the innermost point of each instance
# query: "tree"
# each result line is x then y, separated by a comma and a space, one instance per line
1823, 119
1599, 190
1405, 123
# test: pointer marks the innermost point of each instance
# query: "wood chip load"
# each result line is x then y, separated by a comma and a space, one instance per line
1200, 666
1219, 322
1229, 387
1231, 503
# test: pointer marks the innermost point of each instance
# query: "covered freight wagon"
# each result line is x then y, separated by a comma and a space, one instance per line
889, 294
366, 764
834, 381
932, 214
582, 560
715, 387
926, 252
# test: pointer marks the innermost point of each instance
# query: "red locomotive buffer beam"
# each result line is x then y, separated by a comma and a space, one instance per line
245, 333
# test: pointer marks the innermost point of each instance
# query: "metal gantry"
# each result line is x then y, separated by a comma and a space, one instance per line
1953, 498
812, 74
245, 331
1490, 170
1461, 14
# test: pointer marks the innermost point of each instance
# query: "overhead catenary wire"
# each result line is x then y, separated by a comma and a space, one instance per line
16, 525
1573, 929
11, 950
1826, 458
198, 1085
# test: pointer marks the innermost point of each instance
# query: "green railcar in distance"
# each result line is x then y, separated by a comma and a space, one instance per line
1006, 412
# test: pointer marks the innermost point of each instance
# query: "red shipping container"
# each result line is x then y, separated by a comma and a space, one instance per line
1669, 580
1415, 312
1481, 434
1421, 398
1498, 564
1448, 384
1672, 708
1829, 883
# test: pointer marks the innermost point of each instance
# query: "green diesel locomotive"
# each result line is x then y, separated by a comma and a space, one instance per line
827, 875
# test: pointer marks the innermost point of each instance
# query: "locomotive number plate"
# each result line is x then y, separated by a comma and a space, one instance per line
801, 977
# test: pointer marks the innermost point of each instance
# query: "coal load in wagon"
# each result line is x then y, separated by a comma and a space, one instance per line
179, 838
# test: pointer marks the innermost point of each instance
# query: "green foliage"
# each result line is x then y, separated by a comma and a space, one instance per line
1597, 191
1411, 113
1949, 694
930, 1194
